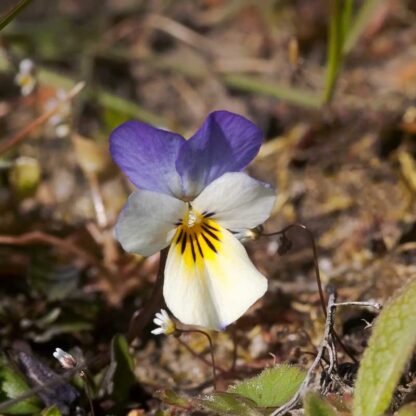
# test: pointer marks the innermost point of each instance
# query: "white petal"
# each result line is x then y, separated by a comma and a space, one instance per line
158, 321
217, 288
157, 331
147, 222
237, 201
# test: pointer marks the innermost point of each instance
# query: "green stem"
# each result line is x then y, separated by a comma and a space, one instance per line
346, 19
283, 92
360, 23
334, 50
211, 349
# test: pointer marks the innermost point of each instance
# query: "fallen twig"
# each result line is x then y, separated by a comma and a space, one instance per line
39, 237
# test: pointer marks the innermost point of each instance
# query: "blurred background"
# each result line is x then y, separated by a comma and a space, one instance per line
331, 83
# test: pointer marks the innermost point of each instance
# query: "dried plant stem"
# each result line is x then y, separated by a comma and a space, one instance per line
97, 199
22, 134
374, 305
39, 237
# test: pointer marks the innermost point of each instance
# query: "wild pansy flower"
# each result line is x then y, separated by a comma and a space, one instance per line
193, 198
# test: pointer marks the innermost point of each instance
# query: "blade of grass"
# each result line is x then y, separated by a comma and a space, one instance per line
334, 50
11, 14
360, 23
346, 18
283, 92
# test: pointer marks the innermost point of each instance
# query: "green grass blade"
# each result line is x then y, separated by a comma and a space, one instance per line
360, 23
283, 92
334, 49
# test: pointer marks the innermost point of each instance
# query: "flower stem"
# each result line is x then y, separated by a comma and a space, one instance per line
211, 348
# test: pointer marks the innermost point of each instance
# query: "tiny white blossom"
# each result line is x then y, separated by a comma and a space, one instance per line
248, 234
65, 359
26, 77
165, 323
59, 122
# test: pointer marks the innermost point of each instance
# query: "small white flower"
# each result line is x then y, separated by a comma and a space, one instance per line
165, 323
26, 77
65, 359
248, 234
59, 122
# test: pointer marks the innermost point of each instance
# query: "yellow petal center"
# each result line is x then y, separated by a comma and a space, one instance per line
197, 238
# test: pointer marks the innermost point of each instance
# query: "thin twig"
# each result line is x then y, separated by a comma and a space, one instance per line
39, 237
182, 32
375, 305
97, 199
22, 134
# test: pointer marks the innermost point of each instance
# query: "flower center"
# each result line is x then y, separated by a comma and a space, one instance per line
198, 237
192, 218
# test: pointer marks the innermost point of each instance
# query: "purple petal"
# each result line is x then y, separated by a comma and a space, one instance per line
147, 156
226, 142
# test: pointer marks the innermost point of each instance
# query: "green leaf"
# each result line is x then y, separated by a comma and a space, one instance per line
389, 349
408, 410
228, 404
120, 374
51, 411
273, 387
12, 385
172, 398
314, 405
